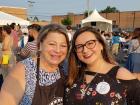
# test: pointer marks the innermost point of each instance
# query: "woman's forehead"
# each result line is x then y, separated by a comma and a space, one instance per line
55, 36
85, 36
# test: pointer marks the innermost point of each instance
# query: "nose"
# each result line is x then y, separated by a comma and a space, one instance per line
85, 49
58, 49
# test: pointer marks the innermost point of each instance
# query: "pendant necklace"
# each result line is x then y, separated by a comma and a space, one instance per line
84, 90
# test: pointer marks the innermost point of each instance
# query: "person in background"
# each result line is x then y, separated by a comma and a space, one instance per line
69, 32
103, 35
30, 37
94, 77
39, 80
1, 76
133, 61
30, 48
20, 36
1, 37
25, 34
115, 43
1, 80
19, 32
15, 36
7, 57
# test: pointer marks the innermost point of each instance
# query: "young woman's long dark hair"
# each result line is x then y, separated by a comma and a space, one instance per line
76, 67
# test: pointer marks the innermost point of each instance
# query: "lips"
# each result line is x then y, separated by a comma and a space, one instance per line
87, 56
56, 56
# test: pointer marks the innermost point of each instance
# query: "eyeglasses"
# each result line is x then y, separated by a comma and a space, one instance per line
89, 44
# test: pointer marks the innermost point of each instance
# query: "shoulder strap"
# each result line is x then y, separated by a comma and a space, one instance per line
113, 72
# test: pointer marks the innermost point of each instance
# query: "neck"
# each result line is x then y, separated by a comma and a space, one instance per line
98, 66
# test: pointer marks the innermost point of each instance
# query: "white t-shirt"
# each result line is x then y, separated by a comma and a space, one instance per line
122, 39
70, 36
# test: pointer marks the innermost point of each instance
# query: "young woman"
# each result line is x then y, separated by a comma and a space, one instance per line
39, 80
94, 77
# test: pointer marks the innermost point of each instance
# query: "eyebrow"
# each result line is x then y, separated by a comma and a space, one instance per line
56, 42
85, 42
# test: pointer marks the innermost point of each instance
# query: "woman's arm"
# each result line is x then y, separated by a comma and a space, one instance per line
13, 86
132, 85
125, 74
133, 93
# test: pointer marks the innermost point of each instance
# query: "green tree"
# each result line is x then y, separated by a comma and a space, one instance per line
110, 10
66, 21
86, 13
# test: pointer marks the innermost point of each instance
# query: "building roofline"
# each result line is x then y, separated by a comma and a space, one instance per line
67, 15
99, 12
12, 7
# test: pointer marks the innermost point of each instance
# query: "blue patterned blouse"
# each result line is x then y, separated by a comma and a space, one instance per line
46, 79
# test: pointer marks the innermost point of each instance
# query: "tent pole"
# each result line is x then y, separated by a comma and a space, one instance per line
88, 6
134, 20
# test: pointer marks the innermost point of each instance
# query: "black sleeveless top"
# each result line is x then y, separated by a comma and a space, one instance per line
104, 89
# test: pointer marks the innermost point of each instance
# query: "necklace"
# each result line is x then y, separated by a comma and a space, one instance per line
85, 88
90, 73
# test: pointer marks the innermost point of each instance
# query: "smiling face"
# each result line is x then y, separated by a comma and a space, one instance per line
91, 48
54, 48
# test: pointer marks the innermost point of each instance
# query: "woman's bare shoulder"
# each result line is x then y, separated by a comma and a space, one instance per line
125, 74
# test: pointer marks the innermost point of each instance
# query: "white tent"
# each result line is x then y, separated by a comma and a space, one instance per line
98, 21
8, 19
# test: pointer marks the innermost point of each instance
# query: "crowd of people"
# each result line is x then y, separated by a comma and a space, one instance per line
59, 66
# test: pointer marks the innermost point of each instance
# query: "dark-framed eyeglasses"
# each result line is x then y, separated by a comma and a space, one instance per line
89, 44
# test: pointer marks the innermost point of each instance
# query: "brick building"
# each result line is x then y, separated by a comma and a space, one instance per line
21, 13
123, 20
16, 11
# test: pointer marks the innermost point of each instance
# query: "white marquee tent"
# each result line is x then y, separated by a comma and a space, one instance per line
99, 21
8, 19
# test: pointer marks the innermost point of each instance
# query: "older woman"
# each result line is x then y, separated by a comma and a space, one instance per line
39, 80
94, 77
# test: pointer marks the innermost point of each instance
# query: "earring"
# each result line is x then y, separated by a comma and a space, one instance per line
102, 51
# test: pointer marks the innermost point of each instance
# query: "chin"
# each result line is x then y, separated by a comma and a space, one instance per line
55, 62
89, 62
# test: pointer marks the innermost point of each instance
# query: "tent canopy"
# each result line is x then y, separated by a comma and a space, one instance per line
8, 19
99, 21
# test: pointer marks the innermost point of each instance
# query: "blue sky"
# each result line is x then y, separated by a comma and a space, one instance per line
44, 9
